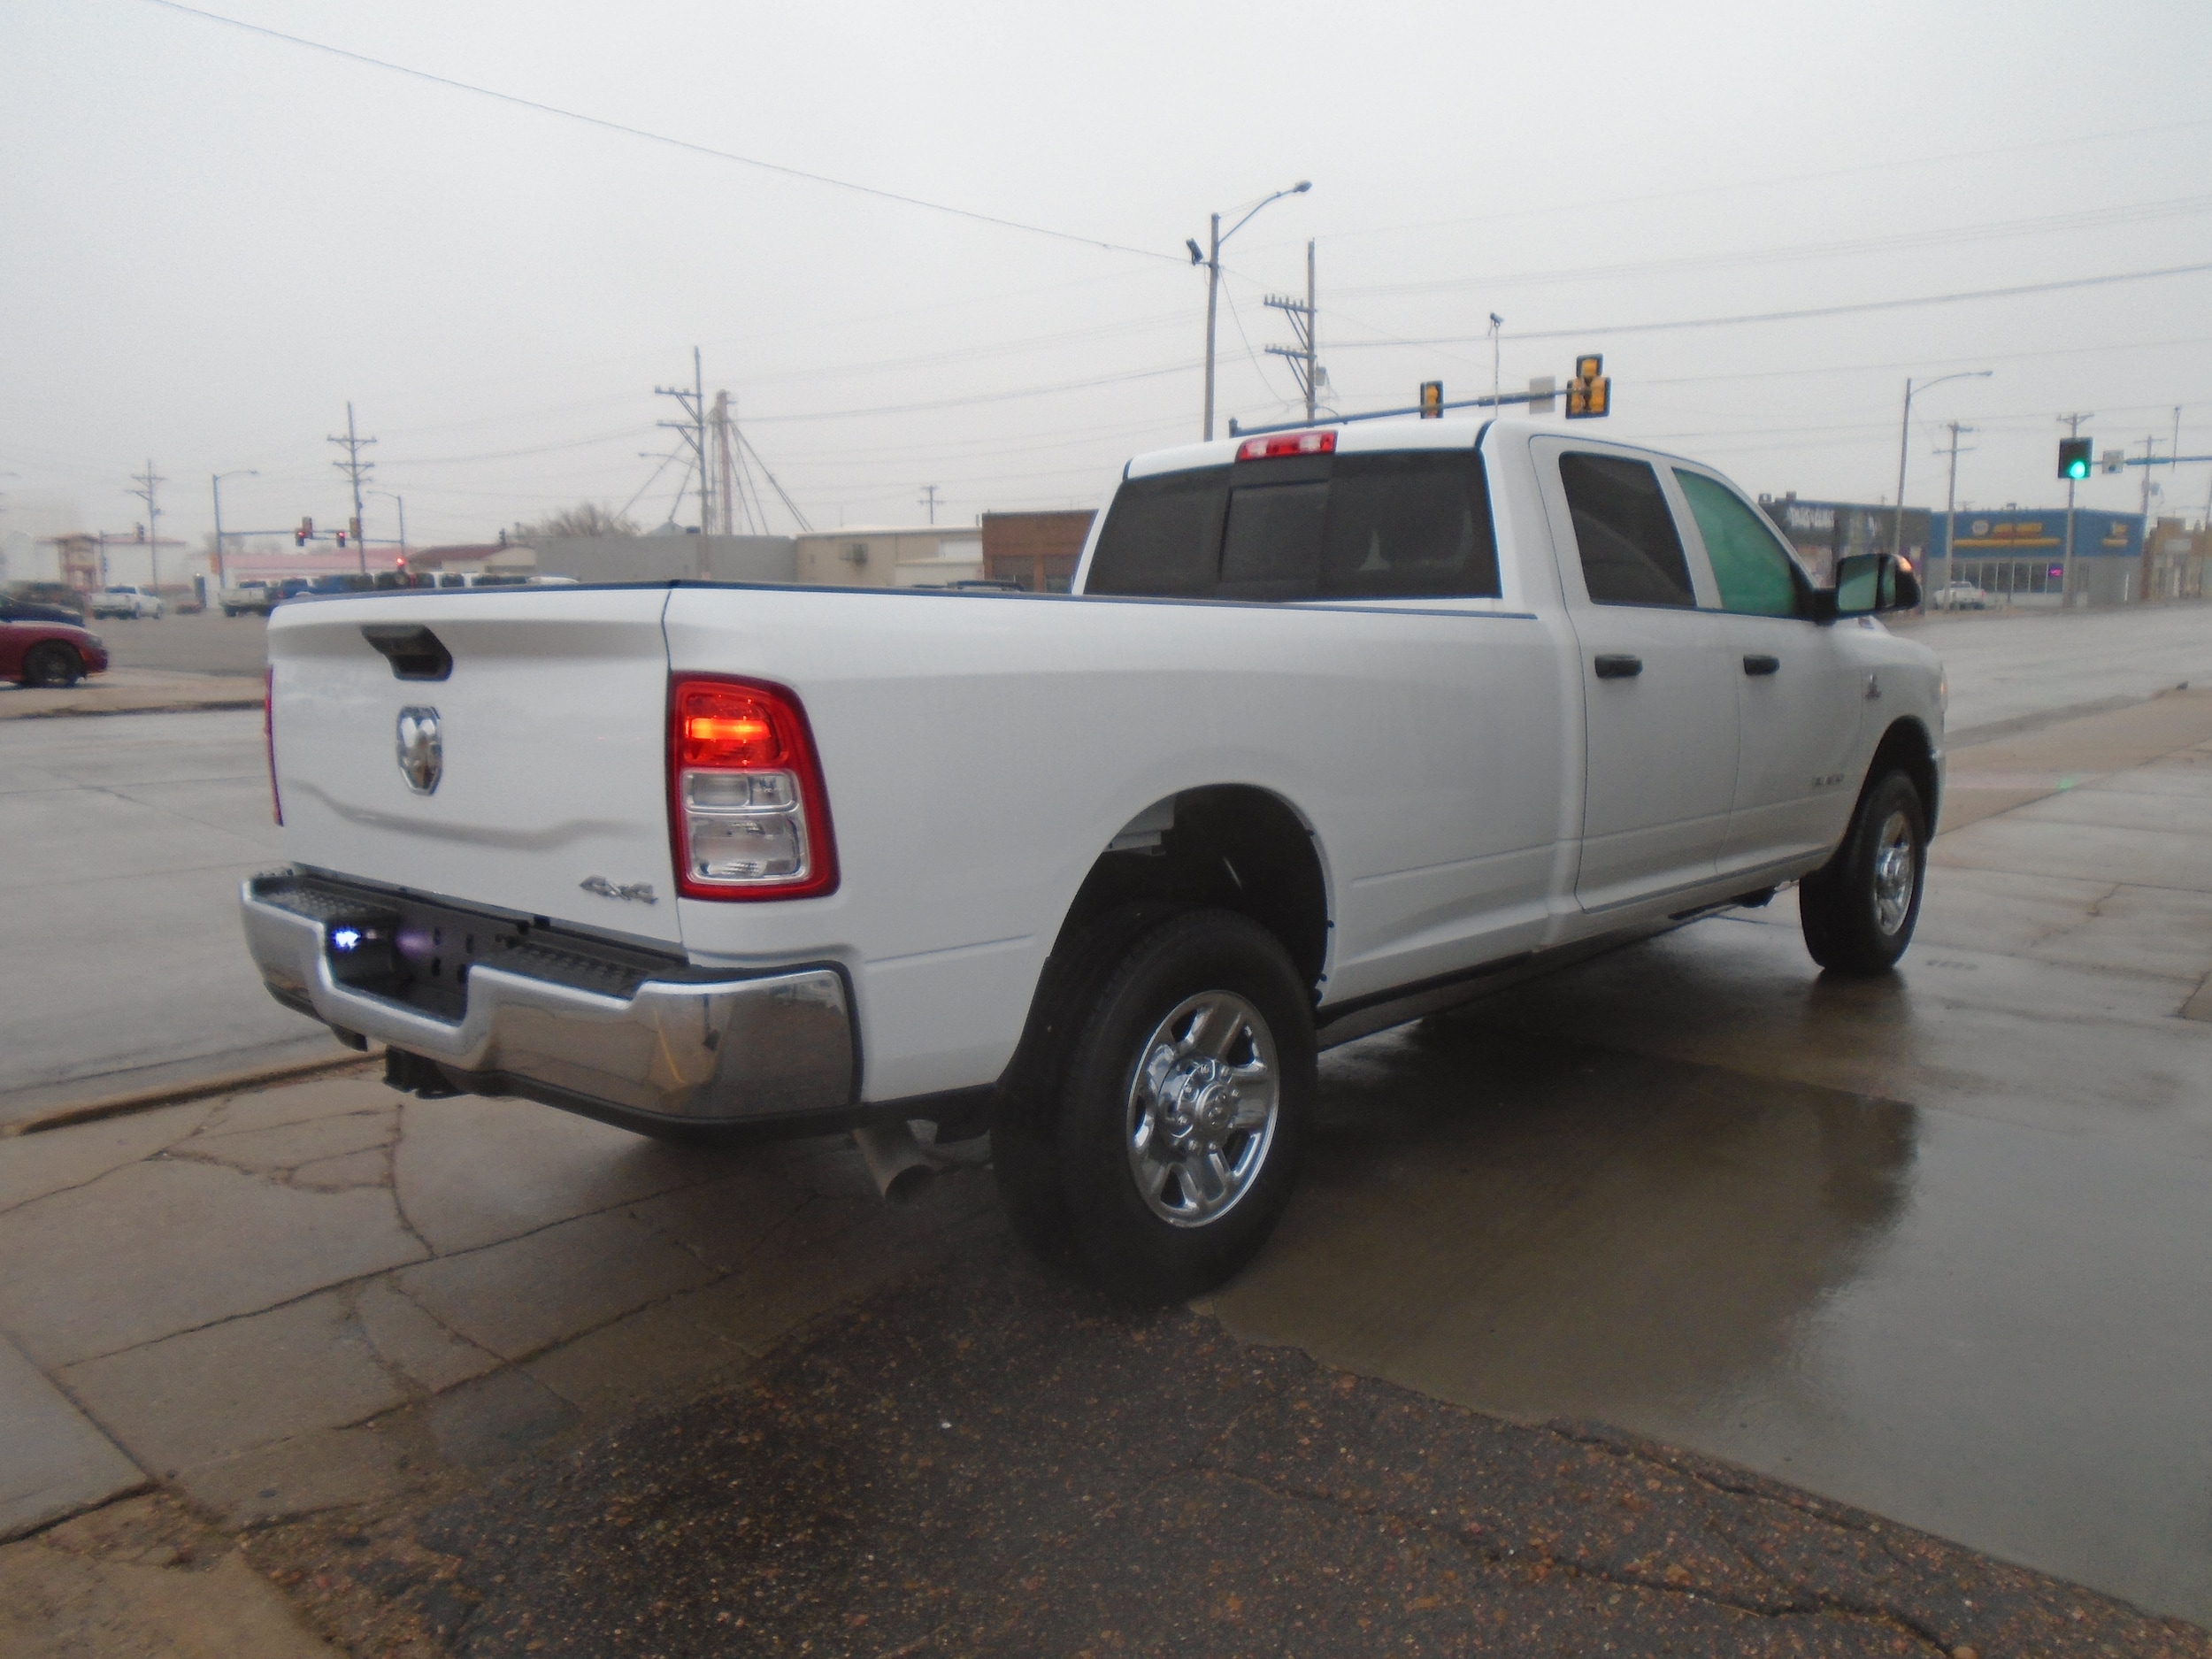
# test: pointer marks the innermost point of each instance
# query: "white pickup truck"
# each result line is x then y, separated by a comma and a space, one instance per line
1335, 723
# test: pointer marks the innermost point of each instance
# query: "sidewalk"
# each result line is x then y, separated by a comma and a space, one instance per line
131, 691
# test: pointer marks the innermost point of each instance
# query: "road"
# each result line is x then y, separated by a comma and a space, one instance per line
2008, 666
120, 962
210, 644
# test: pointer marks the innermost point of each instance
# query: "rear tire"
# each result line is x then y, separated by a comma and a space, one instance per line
1859, 910
1162, 1159
52, 664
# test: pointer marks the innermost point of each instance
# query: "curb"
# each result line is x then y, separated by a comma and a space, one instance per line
175, 1094
152, 708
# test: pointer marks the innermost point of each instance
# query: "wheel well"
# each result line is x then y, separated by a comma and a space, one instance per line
1233, 846
1905, 747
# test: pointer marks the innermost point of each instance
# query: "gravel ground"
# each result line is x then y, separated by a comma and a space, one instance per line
987, 1462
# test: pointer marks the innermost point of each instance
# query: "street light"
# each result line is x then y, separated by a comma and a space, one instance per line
222, 570
1904, 445
1212, 260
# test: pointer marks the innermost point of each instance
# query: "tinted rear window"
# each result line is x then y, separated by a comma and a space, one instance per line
1631, 554
1404, 525
1162, 536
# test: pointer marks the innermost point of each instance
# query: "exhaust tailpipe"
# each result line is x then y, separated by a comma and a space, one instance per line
897, 1162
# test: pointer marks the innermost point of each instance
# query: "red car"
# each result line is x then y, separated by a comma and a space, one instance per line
37, 648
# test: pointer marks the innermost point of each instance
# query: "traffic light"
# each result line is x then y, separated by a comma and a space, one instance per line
300, 536
1431, 400
1590, 394
341, 538
2073, 456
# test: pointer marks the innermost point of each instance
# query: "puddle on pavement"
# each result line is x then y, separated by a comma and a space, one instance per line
1998, 1332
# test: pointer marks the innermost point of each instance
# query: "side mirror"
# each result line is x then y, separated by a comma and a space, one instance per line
1867, 584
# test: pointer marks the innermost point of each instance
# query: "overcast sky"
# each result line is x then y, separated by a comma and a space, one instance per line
215, 238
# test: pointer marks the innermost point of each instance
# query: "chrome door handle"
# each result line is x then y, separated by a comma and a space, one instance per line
1615, 665
1759, 663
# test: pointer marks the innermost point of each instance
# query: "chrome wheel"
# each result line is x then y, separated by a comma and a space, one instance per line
1202, 1108
1896, 865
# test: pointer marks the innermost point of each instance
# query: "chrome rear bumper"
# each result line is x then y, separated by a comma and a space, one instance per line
711, 1050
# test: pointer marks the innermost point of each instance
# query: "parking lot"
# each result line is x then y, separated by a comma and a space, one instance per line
1751, 1265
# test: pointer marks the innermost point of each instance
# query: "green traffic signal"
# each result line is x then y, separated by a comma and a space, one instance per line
2073, 458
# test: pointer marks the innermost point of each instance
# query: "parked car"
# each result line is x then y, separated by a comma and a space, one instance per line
1960, 596
128, 603
39, 648
58, 595
1336, 725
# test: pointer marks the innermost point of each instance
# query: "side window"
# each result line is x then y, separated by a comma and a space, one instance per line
1273, 546
1410, 525
1631, 552
1757, 577
1162, 536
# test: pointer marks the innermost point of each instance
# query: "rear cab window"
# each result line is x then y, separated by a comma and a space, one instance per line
1631, 552
1411, 524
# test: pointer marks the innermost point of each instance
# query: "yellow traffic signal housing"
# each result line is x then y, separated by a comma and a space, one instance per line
1431, 400
1590, 394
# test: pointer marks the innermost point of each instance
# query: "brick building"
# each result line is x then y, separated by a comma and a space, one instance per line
1037, 551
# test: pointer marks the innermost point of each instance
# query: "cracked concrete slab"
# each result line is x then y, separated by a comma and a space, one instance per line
53, 1461
168, 1245
523, 1295
65, 1597
213, 1393
473, 1171
33, 1167
429, 1355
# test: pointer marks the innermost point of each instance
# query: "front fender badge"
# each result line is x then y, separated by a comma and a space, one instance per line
421, 750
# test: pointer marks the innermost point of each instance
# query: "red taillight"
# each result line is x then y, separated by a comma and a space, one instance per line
268, 736
1267, 448
748, 815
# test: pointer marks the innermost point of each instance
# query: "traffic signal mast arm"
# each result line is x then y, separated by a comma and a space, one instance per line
1433, 402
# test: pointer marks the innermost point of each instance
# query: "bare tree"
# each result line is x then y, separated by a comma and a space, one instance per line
585, 518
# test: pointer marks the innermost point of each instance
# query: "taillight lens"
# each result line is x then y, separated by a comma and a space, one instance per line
1273, 444
748, 814
268, 736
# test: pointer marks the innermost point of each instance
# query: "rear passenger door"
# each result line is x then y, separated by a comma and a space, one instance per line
1798, 699
1659, 703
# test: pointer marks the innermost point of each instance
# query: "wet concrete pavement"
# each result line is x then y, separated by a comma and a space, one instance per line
1932, 1245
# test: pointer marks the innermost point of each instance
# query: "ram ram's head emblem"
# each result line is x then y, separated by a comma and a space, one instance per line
421, 750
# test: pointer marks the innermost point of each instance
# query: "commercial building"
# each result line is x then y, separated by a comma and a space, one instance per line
1036, 551
890, 556
2018, 556
1826, 531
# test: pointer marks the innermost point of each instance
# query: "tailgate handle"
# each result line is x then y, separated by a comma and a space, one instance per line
1613, 667
414, 652
1759, 663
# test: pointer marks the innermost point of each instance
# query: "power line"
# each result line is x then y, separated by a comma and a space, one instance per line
2093, 218
1588, 330
707, 151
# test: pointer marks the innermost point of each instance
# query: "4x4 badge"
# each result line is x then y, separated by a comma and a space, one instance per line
421, 751
641, 891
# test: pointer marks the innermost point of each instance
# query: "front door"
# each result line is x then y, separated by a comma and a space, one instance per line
1798, 699
1659, 707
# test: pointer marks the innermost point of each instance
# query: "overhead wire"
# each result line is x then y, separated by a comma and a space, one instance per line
650, 137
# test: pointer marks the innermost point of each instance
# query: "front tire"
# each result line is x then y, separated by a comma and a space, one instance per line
1170, 1149
52, 665
1859, 910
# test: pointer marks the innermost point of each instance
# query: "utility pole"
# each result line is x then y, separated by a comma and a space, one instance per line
1212, 260
1304, 357
222, 570
2066, 561
693, 403
1951, 510
356, 469
149, 487
929, 497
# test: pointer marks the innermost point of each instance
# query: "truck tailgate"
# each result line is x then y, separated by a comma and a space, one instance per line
550, 792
